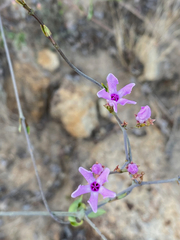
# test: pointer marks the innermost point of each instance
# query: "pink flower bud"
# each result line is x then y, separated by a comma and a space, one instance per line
132, 168
97, 168
144, 114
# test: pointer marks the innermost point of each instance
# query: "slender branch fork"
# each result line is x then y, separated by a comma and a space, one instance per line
128, 154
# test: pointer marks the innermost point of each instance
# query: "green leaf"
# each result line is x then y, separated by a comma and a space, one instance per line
122, 196
21, 2
28, 129
76, 206
45, 30
77, 224
20, 126
104, 86
99, 212
90, 12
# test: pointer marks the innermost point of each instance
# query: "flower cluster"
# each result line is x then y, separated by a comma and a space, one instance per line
99, 174
115, 97
94, 186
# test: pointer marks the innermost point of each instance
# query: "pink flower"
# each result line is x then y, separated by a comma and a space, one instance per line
144, 114
132, 168
95, 186
97, 168
114, 97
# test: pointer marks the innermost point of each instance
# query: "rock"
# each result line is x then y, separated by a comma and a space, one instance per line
102, 110
48, 60
147, 52
74, 104
32, 89
159, 58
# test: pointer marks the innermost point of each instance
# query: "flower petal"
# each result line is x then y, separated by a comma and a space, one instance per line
106, 193
88, 175
123, 101
126, 90
93, 201
81, 190
103, 94
103, 177
112, 82
113, 104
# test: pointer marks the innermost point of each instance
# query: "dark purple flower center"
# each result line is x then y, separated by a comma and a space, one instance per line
95, 186
114, 97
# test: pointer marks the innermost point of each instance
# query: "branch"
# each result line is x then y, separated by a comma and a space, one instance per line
95, 228
48, 34
22, 119
38, 213
128, 190
126, 142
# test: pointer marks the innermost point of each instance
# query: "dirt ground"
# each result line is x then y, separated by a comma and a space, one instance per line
69, 126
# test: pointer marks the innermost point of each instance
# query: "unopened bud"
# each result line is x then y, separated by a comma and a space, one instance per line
109, 108
45, 30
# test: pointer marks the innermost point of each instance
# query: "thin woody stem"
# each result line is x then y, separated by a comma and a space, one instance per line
38, 213
95, 228
58, 49
128, 190
22, 118
126, 142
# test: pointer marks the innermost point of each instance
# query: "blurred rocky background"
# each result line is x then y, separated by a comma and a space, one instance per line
136, 40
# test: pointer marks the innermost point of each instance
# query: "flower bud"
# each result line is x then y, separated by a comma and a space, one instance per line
132, 168
144, 114
97, 168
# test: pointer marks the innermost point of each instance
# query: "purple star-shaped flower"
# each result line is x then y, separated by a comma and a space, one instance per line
114, 97
95, 186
